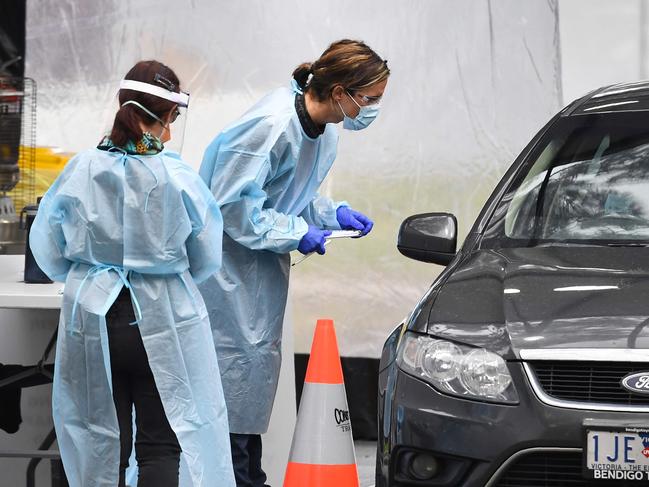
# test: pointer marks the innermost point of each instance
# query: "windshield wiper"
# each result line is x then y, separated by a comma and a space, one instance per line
627, 244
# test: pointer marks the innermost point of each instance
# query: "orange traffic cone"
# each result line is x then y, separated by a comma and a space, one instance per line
322, 453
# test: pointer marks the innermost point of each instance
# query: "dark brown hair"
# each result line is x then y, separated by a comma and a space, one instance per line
128, 118
351, 64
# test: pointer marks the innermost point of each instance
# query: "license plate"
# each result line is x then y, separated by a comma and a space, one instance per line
617, 454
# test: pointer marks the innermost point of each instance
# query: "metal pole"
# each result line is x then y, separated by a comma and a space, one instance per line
33, 463
643, 39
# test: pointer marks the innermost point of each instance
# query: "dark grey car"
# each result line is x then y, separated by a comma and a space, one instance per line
527, 362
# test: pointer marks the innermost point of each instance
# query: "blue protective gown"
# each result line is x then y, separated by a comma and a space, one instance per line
264, 172
149, 223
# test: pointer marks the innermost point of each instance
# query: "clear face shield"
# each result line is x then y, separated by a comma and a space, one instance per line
173, 128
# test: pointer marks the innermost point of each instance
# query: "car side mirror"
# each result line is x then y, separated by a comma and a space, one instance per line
429, 237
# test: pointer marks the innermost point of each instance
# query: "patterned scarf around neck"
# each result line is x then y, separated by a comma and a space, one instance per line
148, 145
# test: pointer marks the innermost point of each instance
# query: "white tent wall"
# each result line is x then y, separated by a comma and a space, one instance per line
472, 81
602, 42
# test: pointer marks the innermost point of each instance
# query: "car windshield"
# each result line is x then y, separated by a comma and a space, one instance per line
586, 181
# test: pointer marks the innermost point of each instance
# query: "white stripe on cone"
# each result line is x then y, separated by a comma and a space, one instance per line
323, 433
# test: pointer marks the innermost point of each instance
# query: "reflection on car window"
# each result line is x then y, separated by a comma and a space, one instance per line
588, 181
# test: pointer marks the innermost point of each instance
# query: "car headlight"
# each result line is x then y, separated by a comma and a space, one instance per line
459, 370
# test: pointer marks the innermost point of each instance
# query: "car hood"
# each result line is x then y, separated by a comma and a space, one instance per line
546, 297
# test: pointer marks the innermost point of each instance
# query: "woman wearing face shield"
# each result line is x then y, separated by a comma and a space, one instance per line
264, 171
130, 228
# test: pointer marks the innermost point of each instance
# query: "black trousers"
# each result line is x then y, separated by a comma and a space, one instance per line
156, 447
246, 459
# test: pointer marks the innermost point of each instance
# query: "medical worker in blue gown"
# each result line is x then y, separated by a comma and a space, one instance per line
130, 229
264, 171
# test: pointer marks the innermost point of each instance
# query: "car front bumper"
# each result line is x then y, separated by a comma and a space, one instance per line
479, 443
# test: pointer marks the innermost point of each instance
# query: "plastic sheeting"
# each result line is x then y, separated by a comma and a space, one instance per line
618, 53
472, 81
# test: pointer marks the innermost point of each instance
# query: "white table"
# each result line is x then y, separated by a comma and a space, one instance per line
16, 294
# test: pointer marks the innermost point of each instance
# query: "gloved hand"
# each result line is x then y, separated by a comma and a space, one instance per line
313, 241
353, 220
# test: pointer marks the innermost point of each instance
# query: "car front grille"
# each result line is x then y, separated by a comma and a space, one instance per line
552, 469
588, 382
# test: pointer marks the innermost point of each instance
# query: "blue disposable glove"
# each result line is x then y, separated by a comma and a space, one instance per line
353, 220
313, 241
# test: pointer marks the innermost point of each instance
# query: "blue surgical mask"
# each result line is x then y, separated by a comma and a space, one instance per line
366, 115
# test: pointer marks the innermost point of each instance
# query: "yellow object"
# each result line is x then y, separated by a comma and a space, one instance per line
49, 162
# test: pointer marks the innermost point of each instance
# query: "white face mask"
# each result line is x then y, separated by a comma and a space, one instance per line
366, 115
165, 126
